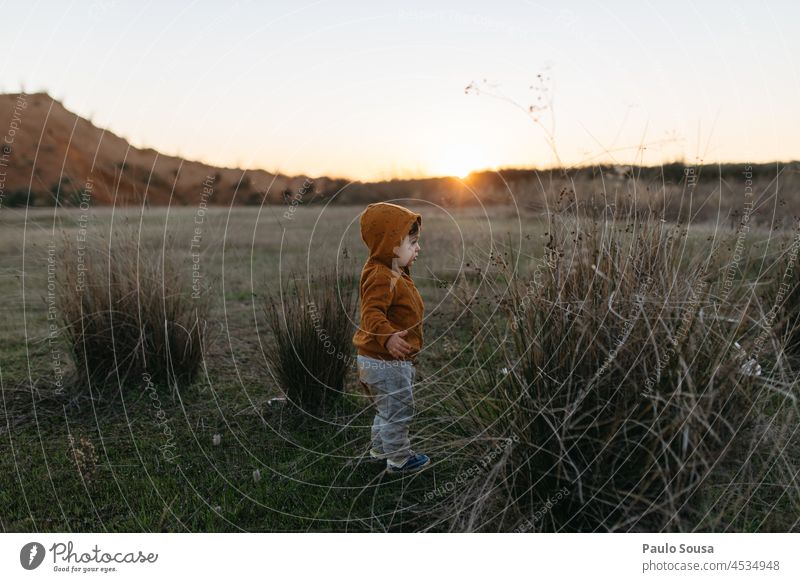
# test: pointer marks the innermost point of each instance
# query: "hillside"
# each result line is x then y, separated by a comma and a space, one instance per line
56, 153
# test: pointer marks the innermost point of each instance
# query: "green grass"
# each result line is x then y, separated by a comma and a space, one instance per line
311, 479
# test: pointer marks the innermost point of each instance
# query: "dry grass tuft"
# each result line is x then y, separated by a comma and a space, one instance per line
313, 325
127, 310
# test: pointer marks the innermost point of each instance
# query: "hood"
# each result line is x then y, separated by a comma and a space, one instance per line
383, 227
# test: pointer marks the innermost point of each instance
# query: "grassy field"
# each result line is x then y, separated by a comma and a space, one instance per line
71, 463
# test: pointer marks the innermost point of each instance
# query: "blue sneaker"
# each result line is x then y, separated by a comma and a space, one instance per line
412, 464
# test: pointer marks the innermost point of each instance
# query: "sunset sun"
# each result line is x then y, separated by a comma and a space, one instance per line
458, 160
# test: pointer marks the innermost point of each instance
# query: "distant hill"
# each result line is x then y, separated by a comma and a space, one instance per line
57, 154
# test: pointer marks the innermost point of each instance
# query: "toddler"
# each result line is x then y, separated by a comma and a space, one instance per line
389, 336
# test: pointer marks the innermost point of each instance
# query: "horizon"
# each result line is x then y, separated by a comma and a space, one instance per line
399, 109
466, 177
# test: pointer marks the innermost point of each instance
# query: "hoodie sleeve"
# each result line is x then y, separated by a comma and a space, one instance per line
376, 298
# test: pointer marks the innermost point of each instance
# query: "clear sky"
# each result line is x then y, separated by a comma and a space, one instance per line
375, 89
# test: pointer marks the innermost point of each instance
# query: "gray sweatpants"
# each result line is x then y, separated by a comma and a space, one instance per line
391, 384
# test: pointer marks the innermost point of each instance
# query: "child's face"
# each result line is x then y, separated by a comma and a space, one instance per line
408, 250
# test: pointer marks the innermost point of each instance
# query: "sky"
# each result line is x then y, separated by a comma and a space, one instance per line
376, 90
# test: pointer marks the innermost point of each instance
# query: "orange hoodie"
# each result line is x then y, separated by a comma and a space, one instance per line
390, 301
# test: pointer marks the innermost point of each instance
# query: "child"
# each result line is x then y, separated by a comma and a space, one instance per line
389, 336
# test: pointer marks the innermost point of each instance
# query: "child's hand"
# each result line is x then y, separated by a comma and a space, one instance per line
397, 346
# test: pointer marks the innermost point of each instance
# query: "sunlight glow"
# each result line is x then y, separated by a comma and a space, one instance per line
458, 160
